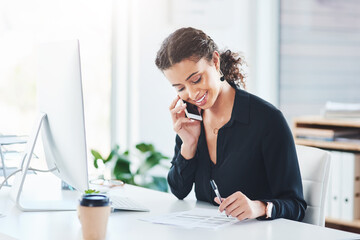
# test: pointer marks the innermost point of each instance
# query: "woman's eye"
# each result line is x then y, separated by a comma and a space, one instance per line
197, 81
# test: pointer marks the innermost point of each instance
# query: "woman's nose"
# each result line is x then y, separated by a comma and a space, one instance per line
193, 93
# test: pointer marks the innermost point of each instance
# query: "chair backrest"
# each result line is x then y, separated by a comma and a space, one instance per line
315, 170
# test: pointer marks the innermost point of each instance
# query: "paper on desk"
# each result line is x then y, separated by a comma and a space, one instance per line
196, 218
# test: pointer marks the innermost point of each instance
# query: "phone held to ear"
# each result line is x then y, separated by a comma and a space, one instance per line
192, 111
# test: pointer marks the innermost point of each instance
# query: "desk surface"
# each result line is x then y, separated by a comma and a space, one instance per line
126, 225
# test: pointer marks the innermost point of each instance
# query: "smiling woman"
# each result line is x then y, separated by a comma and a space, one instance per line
243, 142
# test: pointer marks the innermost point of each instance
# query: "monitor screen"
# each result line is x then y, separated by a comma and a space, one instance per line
60, 97
61, 123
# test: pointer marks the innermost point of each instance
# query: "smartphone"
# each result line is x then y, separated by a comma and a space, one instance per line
192, 112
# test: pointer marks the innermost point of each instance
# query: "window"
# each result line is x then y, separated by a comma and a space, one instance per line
25, 23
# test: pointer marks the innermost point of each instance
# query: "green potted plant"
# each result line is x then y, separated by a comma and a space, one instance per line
91, 191
126, 171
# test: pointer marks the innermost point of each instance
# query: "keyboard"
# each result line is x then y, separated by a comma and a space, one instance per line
125, 203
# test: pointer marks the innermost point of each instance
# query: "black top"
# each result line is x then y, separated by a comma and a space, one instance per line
255, 155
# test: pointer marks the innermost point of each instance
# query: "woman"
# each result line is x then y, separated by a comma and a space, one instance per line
243, 142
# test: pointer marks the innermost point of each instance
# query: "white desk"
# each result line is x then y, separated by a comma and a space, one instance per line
125, 225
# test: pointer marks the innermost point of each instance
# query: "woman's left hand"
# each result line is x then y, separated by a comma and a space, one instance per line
241, 207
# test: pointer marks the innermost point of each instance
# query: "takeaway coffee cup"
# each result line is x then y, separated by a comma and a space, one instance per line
93, 213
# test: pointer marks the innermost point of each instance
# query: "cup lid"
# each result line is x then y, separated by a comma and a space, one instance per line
94, 200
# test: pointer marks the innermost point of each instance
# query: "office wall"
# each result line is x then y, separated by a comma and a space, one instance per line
320, 55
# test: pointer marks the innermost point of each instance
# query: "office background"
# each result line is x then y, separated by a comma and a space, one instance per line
300, 54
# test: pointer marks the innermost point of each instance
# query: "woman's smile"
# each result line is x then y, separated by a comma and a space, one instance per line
202, 101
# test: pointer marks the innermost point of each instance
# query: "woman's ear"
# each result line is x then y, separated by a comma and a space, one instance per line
216, 60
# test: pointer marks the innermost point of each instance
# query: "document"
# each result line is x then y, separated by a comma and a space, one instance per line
196, 218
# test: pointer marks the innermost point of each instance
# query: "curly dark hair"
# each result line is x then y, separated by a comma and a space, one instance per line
194, 44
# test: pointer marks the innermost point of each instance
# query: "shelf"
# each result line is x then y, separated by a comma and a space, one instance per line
349, 226
354, 223
329, 145
319, 120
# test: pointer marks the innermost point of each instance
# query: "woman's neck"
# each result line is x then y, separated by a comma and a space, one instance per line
224, 102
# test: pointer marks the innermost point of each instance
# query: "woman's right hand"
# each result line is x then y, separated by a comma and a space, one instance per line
187, 129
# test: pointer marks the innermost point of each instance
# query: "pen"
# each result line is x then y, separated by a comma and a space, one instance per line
214, 187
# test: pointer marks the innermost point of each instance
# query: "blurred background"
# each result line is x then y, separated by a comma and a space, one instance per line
300, 55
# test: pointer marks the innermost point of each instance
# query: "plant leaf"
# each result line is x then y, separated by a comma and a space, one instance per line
122, 166
144, 147
161, 183
116, 147
111, 155
91, 191
95, 163
97, 156
157, 183
125, 177
152, 160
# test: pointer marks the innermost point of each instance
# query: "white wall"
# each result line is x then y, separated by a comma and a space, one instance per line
265, 22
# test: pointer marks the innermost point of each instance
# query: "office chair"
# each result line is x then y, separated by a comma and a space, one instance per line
315, 170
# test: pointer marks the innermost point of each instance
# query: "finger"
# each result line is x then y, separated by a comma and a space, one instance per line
216, 199
181, 122
236, 211
229, 200
174, 102
242, 216
236, 204
178, 110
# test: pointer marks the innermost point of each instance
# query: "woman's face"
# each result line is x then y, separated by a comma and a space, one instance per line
196, 82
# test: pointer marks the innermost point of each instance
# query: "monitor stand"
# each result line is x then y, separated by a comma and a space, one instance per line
25, 200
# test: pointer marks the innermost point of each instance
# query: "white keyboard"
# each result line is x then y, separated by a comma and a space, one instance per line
125, 203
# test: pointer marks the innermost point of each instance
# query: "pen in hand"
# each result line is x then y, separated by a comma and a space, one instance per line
214, 187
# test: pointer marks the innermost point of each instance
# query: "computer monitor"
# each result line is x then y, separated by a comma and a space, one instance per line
61, 121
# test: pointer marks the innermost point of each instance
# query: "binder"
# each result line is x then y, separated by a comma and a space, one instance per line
328, 195
357, 187
347, 184
324, 133
335, 188
350, 186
